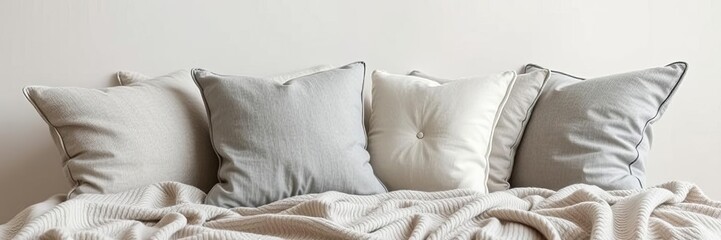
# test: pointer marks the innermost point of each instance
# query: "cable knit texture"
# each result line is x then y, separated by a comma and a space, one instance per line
170, 210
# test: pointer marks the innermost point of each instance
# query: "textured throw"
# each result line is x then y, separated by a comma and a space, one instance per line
674, 210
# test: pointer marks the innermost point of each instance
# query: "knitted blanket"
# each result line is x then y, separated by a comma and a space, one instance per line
674, 210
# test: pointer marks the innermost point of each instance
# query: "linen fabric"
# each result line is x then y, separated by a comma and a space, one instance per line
277, 140
674, 210
594, 131
511, 125
119, 138
431, 136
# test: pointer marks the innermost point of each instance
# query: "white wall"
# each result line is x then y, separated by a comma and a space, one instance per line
83, 42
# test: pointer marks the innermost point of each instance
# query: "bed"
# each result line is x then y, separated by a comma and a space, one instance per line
200, 155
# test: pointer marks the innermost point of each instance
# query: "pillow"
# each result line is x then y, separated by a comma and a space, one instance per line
510, 127
129, 77
280, 140
594, 131
120, 138
431, 136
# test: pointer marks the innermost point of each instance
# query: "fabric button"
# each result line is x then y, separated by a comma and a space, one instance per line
419, 135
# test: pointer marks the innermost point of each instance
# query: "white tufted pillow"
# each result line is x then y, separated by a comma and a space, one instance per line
511, 125
431, 136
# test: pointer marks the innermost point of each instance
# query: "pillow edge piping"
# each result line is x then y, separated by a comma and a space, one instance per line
76, 183
659, 112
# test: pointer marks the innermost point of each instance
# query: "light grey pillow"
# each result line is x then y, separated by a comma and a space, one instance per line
119, 138
594, 131
507, 133
277, 140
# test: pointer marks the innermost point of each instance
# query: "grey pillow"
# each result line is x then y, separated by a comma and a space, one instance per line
277, 140
594, 131
119, 138
507, 133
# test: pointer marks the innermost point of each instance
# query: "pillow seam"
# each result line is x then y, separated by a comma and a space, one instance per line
499, 113
531, 65
120, 79
524, 123
363, 121
26, 92
652, 119
210, 125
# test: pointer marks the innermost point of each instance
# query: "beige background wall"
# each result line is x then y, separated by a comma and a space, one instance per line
83, 42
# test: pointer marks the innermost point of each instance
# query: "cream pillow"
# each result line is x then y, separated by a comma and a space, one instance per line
431, 136
510, 127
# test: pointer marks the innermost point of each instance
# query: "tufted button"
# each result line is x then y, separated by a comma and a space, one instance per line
419, 135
